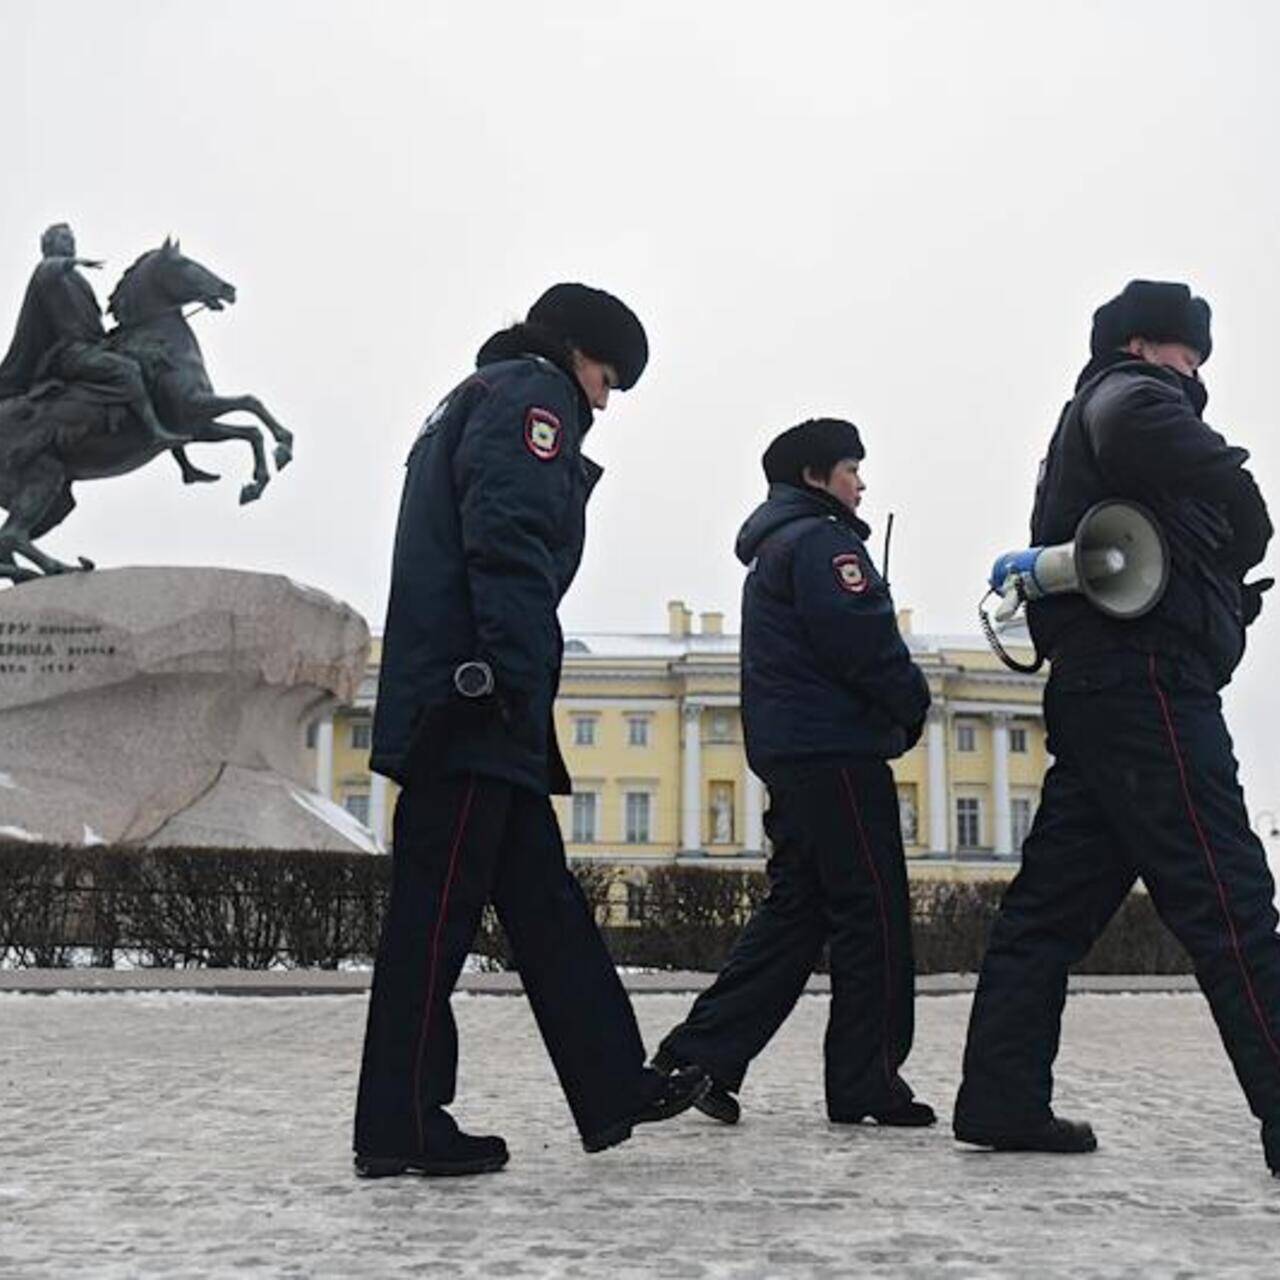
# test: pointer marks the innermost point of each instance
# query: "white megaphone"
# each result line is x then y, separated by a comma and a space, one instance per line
1118, 561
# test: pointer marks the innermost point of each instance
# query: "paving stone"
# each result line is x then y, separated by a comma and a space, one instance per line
184, 1135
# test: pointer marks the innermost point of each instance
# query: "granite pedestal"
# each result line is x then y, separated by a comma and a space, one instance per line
169, 706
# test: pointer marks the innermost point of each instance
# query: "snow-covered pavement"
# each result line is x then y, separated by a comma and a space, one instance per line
183, 1135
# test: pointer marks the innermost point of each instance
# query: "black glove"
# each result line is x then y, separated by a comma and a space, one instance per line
1251, 598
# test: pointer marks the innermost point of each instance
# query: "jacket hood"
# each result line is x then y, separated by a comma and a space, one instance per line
534, 340
785, 503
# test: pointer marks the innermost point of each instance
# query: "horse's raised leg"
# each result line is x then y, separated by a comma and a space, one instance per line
251, 404
192, 474
213, 432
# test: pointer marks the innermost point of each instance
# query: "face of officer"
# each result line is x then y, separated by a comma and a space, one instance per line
843, 482
1172, 355
596, 378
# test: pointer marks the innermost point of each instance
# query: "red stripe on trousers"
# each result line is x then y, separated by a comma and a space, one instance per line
1210, 861
884, 918
435, 959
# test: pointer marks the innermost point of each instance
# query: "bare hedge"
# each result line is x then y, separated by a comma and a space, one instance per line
259, 909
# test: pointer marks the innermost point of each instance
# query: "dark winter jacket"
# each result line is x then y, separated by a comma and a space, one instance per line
1134, 431
825, 673
490, 534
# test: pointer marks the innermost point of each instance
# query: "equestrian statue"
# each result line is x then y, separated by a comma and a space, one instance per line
79, 403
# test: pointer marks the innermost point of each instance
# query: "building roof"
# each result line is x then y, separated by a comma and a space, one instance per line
660, 645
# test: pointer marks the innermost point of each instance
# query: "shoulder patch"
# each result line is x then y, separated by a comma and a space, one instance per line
850, 575
542, 433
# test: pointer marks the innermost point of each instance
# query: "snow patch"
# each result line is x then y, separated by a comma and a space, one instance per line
19, 833
91, 836
7, 781
335, 816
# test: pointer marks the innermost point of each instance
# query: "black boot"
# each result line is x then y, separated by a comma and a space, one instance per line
447, 1153
898, 1115
718, 1102
673, 1094
1063, 1137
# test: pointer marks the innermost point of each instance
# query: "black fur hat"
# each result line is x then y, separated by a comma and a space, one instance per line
598, 324
818, 443
1162, 311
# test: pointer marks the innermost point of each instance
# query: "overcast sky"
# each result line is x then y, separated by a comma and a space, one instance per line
901, 213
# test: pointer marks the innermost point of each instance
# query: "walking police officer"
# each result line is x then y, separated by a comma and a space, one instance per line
489, 538
829, 695
1144, 780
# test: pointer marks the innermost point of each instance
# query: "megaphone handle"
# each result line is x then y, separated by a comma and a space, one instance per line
1011, 599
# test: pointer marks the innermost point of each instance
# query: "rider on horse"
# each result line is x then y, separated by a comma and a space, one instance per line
60, 335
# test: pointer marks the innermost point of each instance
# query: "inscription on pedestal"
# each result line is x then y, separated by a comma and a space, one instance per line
42, 648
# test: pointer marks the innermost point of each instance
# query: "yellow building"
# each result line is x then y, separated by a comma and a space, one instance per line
651, 731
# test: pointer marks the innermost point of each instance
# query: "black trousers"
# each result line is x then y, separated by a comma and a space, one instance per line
459, 844
1143, 784
836, 876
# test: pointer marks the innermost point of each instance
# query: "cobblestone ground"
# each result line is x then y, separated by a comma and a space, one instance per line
175, 1136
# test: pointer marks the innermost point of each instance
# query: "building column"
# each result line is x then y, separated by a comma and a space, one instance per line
753, 806
324, 758
1000, 796
939, 808
691, 790
378, 807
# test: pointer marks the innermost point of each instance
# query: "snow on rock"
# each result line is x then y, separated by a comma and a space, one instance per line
335, 816
19, 833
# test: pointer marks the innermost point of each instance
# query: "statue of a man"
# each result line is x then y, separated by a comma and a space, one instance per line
59, 334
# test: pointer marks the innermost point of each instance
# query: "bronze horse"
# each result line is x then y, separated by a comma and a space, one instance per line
58, 433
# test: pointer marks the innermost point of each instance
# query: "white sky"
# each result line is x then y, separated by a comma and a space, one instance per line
903, 213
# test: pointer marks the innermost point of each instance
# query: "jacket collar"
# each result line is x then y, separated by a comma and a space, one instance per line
533, 340
785, 504
1195, 390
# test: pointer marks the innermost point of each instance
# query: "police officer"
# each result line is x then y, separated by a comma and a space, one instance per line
829, 695
489, 538
1143, 781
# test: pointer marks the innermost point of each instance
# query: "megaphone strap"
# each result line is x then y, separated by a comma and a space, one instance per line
1023, 668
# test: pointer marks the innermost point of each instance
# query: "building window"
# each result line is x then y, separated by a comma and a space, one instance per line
720, 813
908, 813
968, 823
721, 727
357, 805
1022, 815
1018, 741
585, 809
638, 731
584, 731
313, 734
637, 815
966, 737
361, 735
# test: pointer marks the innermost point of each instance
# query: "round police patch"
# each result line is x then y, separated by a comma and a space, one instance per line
542, 433
849, 573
